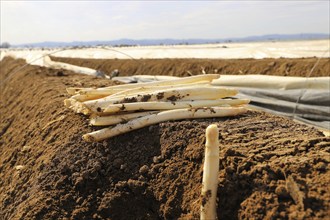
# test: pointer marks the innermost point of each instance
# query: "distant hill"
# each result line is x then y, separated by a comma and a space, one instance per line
146, 42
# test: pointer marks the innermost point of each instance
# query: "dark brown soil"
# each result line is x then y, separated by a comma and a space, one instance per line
186, 67
270, 166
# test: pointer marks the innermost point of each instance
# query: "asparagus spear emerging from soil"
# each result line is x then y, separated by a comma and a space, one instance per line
210, 174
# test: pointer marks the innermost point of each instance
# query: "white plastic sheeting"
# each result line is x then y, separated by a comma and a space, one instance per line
273, 82
59, 65
302, 98
309, 106
256, 50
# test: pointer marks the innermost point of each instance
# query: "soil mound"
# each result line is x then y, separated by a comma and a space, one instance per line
186, 67
270, 166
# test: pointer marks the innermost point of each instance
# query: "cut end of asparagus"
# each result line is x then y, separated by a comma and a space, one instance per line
88, 138
67, 103
77, 106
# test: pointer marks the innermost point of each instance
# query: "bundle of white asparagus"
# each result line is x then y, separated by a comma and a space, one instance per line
133, 106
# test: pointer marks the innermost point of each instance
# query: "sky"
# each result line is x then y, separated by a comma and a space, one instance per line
28, 21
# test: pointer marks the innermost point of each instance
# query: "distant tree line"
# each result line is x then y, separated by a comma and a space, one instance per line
5, 45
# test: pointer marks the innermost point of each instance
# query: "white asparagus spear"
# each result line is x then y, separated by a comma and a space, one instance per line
134, 106
84, 98
186, 93
95, 94
116, 119
210, 174
98, 94
185, 80
176, 114
114, 92
101, 91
